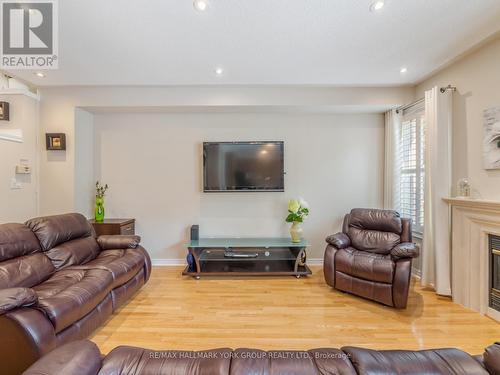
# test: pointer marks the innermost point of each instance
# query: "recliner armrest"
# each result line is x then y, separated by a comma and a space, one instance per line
78, 357
109, 242
405, 250
14, 298
491, 358
339, 240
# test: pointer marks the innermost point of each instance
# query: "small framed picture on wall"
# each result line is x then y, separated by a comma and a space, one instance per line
55, 141
4, 111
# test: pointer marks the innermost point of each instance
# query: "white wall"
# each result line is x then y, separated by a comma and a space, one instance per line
58, 105
477, 78
84, 162
20, 204
152, 163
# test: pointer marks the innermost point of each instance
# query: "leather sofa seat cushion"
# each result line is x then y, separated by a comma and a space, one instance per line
129, 360
17, 240
379, 220
438, 361
54, 230
373, 241
123, 264
26, 271
364, 265
71, 294
74, 252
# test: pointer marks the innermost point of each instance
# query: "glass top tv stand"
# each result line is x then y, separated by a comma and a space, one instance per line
246, 257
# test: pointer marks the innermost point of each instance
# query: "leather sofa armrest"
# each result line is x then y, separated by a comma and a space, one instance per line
491, 358
14, 298
78, 357
405, 250
110, 242
339, 240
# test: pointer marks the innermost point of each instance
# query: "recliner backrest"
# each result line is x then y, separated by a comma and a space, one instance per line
66, 239
374, 230
22, 263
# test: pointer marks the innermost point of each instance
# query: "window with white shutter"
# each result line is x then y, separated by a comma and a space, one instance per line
412, 162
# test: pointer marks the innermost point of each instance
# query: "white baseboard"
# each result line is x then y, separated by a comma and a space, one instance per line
315, 261
168, 262
182, 262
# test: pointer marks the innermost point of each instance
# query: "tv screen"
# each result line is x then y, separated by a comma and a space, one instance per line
243, 166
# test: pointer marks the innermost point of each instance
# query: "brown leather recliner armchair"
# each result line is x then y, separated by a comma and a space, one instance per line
372, 256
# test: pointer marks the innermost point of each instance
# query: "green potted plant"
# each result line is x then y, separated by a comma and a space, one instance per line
99, 201
298, 210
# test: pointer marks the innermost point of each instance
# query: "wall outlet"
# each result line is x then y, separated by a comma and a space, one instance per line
14, 184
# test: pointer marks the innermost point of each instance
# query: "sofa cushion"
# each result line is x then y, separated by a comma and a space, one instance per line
364, 265
290, 362
71, 294
14, 298
129, 360
74, 252
373, 230
123, 264
374, 219
77, 357
54, 230
373, 241
438, 361
25, 271
332, 362
17, 240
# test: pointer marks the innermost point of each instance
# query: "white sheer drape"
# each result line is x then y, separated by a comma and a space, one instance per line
392, 171
436, 259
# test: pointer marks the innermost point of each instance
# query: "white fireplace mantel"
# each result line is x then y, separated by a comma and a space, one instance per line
473, 220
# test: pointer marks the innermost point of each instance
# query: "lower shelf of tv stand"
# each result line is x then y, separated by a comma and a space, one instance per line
232, 269
247, 257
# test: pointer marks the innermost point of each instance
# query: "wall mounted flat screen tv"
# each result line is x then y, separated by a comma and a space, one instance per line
243, 166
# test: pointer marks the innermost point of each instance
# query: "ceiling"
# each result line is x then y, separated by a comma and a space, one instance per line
263, 42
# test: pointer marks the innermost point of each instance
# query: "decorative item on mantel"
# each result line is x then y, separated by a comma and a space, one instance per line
99, 201
463, 188
298, 210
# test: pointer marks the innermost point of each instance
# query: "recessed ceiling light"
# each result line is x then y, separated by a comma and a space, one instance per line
200, 5
403, 70
377, 5
40, 74
219, 71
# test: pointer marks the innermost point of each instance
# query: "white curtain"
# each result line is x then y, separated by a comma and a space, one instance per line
436, 257
392, 161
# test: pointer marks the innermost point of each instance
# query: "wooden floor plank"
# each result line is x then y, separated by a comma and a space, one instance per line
178, 312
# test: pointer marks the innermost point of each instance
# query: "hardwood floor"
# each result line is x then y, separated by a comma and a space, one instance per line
176, 312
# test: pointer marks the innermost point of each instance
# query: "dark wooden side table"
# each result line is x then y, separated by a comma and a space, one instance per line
114, 226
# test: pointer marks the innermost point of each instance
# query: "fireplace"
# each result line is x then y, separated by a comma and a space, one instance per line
494, 250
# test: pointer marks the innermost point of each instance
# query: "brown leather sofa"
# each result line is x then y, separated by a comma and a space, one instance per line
58, 283
372, 256
84, 358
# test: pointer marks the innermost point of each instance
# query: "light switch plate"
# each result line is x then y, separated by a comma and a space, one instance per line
23, 169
